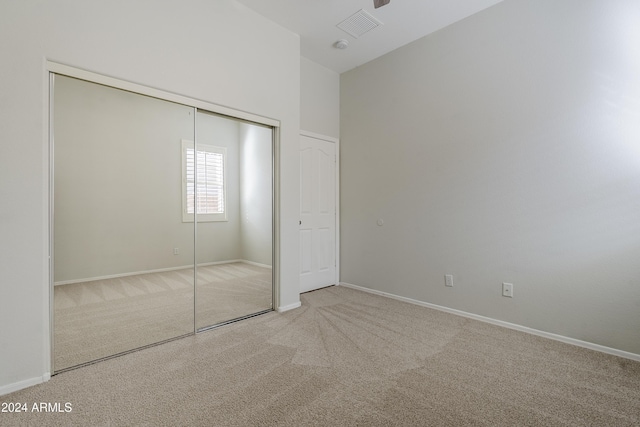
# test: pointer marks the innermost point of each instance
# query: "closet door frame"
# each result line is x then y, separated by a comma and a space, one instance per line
69, 71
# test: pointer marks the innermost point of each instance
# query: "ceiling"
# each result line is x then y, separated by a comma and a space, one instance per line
403, 22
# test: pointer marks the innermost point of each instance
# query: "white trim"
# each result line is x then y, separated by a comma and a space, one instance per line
318, 136
289, 307
78, 73
337, 183
549, 335
10, 388
275, 220
49, 342
158, 270
257, 264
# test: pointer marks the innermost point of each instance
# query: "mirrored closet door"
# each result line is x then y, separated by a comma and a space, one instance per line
234, 236
162, 220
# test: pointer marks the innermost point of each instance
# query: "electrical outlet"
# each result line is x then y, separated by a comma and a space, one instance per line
507, 290
448, 280
176, 251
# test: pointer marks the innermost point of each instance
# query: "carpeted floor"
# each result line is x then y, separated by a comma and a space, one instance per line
97, 319
346, 358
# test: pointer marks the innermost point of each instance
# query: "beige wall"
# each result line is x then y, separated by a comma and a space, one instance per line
154, 43
319, 99
118, 173
255, 171
220, 241
503, 148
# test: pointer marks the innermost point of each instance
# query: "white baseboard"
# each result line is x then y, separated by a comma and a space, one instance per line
289, 307
555, 337
115, 276
158, 270
10, 388
257, 264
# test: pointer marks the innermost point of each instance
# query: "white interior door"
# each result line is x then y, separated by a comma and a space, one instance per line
317, 213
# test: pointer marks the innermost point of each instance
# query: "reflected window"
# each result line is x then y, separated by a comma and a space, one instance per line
203, 179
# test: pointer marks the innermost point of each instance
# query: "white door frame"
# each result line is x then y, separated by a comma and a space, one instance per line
337, 191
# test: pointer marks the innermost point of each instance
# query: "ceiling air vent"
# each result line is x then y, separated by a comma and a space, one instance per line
359, 23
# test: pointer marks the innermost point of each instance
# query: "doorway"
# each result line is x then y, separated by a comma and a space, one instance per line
318, 212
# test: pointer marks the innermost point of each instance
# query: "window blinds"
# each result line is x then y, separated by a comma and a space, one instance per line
209, 185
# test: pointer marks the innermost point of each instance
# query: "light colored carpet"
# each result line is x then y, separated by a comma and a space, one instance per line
97, 319
347, 358
229, 291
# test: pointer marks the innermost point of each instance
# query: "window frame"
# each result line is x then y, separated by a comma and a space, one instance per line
215, 217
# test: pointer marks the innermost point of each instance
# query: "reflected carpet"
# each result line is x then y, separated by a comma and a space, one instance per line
101, 318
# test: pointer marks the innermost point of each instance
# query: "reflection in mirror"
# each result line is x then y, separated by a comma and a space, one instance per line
123, 256
234, 219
